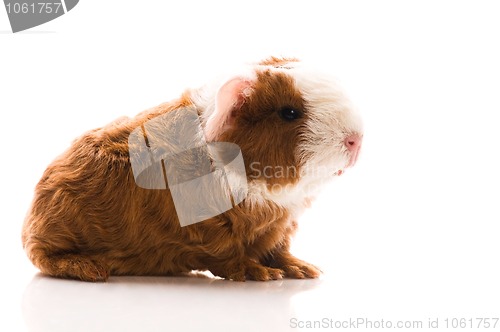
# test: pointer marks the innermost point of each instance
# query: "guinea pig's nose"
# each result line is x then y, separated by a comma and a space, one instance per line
353, 142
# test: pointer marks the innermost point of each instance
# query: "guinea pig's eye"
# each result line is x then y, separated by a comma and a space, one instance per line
290, 114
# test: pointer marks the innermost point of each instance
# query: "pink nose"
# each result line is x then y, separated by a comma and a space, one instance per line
353, 142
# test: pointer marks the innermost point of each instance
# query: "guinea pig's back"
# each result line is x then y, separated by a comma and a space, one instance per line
87, 204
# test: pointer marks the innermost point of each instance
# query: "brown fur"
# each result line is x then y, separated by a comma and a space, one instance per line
90, 220
258, 123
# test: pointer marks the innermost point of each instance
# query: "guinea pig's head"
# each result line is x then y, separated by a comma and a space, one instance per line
295, 127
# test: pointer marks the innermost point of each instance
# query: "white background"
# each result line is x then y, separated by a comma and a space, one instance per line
411, 233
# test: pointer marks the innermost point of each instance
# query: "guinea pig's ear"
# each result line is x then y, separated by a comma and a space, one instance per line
230, 97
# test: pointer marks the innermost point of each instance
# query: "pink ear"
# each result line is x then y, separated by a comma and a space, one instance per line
230, 97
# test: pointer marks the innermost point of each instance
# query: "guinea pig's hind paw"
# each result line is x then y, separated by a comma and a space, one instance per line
264, 273
96, 272
77, 267
250, 271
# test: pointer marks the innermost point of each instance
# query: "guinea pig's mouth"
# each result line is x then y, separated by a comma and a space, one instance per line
353, 158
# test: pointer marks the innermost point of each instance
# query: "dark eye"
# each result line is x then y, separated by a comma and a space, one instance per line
290, 114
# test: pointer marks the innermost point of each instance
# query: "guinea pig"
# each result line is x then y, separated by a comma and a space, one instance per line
295, 129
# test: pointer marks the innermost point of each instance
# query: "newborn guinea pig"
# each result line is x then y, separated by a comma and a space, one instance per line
293, 129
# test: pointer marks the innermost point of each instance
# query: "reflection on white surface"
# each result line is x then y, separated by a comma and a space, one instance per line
159, 304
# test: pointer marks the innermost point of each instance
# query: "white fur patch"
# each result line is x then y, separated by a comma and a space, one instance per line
331, 117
